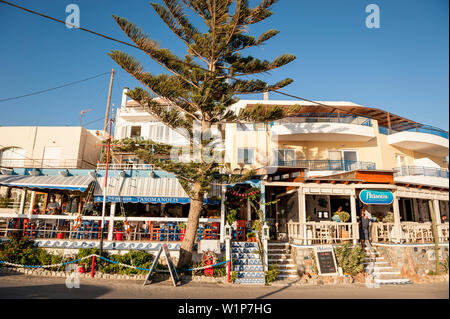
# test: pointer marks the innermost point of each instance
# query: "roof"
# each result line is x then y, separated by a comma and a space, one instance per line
74, 183
383, 117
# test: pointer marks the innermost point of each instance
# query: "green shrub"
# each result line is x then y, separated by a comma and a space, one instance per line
350, 259
23, 251
271, 274
221, 270
233, 276
83, 252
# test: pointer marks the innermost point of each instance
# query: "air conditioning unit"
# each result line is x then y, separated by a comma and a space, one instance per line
35, 172
64, 173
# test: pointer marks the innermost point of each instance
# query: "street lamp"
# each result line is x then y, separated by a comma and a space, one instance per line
82, 113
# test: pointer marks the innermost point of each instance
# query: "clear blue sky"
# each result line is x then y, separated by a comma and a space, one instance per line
401, 67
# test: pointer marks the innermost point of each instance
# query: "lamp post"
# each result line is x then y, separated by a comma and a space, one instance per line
228, 249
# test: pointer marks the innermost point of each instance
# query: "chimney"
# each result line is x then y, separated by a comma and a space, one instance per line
124, 97
266, 94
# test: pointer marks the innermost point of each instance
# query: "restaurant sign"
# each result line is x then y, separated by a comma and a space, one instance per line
377, 197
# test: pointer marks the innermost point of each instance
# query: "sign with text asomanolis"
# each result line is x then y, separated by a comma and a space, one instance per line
377, 197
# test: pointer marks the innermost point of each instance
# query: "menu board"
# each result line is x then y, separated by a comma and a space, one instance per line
170, 265
326, 261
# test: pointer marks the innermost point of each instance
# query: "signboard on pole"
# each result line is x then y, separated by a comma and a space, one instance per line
326, 261
170, 265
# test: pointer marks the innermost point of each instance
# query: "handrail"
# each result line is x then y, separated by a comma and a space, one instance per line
420, 129
329, 165
44, 163
326, 118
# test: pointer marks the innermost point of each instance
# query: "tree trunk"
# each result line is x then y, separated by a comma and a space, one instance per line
435, 235
187, 245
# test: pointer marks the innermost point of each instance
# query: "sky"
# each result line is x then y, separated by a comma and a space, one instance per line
401, 67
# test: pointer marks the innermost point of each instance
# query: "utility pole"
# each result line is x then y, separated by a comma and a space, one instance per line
109, 101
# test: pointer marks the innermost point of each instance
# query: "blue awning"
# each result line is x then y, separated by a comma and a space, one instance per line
73, 183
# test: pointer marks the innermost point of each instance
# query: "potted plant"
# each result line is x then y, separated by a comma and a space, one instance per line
118, 230
182, 227
251, 237
344, 217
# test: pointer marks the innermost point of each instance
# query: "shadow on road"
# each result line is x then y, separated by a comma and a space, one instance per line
55, 291
277, 291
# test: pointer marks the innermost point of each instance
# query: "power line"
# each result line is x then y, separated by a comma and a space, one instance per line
54, 88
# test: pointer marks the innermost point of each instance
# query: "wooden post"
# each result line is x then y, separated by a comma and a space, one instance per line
397, 224
353, 214
389, 122
435, 234
229, 271
109, 100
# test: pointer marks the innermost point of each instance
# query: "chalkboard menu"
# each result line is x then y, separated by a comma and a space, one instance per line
326, 261
172, 269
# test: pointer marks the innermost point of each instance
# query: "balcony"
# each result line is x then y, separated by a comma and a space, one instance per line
429, 176
329, 165
134, 114
324, 127
425, 139
44, 163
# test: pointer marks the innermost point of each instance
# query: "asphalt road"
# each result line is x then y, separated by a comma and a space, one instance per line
14, 286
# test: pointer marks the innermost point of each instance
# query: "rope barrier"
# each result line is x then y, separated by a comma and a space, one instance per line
105, 259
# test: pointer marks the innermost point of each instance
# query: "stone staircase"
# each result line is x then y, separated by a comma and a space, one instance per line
247, 263
279, 253
381, 269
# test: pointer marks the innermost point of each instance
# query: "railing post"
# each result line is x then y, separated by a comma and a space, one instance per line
265, 238
228, 249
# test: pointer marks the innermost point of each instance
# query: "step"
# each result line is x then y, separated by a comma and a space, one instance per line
376, 263
244, 250
248, 268
281, 251
279, 255
400, 281
383, 276
287, 270
379, 273
280, 260
250, 274
244, 256
372, 258
250, 281
247, 262
288, 276
244, 244
285, 265
379, 269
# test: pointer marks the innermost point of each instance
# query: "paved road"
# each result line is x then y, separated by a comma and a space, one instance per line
21, 286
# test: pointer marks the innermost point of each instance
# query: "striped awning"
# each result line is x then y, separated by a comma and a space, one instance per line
5, 179
73, 183
141, 190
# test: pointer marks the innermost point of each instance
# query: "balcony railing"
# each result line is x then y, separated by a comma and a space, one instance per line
420, 171
311, 233
329, 165
122, 166
45, 163
421, 129
327, 118
410, 233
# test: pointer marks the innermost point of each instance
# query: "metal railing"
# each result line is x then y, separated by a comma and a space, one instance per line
141, 228
329, 165
418, 128
421, 171
113, 166
326, 118
45, 163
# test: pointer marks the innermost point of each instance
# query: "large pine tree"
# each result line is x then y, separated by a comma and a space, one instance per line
196, 92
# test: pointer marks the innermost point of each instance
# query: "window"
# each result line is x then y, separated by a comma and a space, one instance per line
159, 132
12, 157
343, 160
401, 160
135, 131
246, 155
283, 156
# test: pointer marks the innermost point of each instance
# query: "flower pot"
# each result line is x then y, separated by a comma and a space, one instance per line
119, 236
182, 232
60, 235
345, 234
81, 269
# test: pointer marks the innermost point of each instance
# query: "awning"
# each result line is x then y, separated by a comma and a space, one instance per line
73, 183
5, 179
141, 190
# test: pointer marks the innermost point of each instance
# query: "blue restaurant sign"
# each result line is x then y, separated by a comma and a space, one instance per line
380, 197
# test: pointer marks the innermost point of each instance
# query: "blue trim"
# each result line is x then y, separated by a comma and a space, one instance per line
81, 189
142, 199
